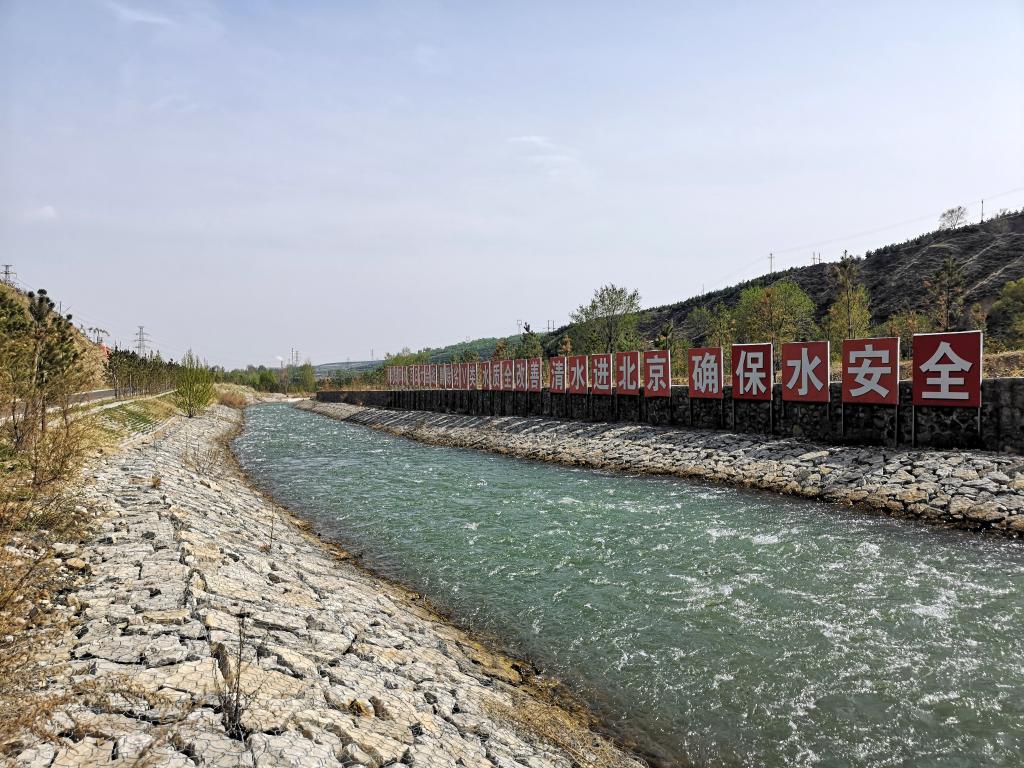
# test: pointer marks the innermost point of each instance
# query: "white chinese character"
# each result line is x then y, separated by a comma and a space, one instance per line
628, 370
558, 375
657, 373
751, 372
869, 376
602, 374
944, 381
535, 374
705, 373
803, 369
578, 379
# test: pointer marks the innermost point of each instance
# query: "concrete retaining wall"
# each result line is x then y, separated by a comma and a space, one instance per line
997, 426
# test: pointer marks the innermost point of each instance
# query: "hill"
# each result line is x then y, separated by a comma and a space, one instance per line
93, 359
992, 254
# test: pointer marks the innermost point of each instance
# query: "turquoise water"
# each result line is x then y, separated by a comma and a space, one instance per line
711, 626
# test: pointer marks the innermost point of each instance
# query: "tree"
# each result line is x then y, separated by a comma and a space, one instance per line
679, 348
953, 217
946, 294
307, 377
529, 344
1006, 318
565, 345
195, 386
500, 350
849, 317
266, 381
713, 327
905, 324
778, 313
608, 323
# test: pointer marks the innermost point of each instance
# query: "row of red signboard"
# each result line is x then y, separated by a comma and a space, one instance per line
946, 372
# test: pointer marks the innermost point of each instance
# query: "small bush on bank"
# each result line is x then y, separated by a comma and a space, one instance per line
195, 386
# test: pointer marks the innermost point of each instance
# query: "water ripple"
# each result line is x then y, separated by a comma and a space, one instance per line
717, 626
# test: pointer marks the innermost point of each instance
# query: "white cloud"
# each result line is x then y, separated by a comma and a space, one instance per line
43, 213
541, 142
137, 15
545, 154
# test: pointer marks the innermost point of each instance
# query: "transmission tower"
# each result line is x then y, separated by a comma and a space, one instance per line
141, 340
9, 273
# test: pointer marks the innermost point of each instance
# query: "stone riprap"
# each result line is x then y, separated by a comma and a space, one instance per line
974, 490
211, 630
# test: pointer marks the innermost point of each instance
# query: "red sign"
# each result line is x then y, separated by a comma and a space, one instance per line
520, 374
871, 371
507, 374
658, 373
947, 369
434, 376
627, 373
707, 373
576, 370
535, 375
472, 375
457, 376
805, 371
496, 374
485, 375
559, 382
601, 381
752, 371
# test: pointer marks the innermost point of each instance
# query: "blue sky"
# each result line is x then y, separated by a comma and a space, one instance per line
244, 178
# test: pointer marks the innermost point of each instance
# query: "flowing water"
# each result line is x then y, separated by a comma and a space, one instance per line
713, 626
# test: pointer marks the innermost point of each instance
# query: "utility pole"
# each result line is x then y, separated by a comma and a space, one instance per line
771, 263
9, 274
141, 338
983, 209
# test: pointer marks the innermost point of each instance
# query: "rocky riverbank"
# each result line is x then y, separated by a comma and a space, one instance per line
973, 490
207, 628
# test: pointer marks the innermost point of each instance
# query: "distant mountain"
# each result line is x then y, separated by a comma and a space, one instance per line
992, 254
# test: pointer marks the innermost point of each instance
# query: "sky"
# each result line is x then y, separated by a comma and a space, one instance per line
341, 178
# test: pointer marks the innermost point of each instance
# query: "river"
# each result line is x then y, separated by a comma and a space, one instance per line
710, 625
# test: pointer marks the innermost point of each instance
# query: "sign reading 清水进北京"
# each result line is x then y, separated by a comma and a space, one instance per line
601, 374
752, 372
947, 369
805, 371
707, 373
576, 372
558, 374
657, 373
627, 373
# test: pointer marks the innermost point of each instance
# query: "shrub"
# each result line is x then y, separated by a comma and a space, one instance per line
195, 386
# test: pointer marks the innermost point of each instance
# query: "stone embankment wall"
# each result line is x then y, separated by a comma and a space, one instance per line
997, 426
981, 491
209, 630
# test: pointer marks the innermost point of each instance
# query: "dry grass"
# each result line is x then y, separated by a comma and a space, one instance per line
232, 399
533, 718
38, 511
